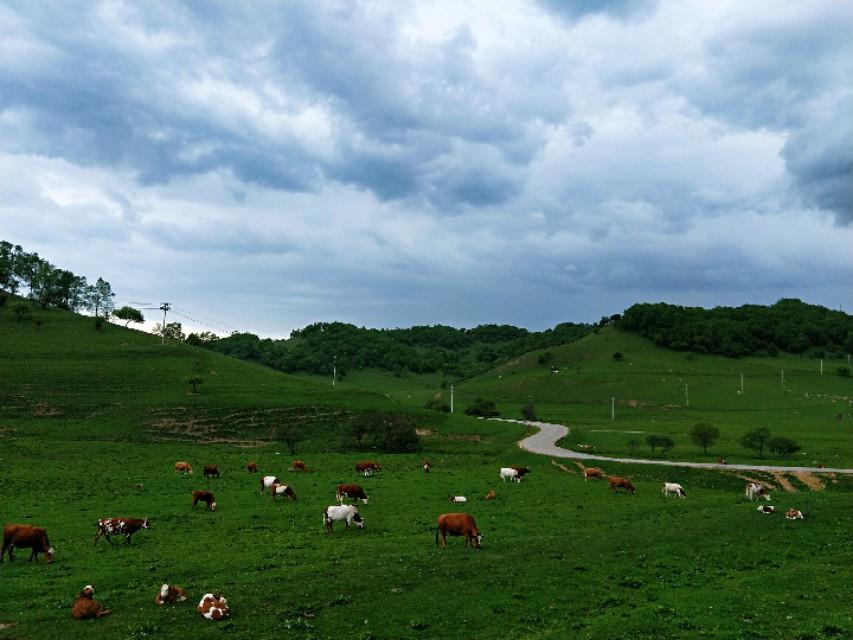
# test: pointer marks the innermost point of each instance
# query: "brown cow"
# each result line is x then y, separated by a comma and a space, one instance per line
170, 594
621, 483
109, 527
367, 468
252, 467
521, 471
211, 470
593, 472
491, 495
183, 467
352, 491
457, 524
298, 465
85, 606
282, 490
426, 465
205, 497
25, 536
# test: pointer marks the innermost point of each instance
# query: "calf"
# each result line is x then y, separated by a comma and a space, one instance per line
491, 495
267, 482
458, 499
213, 607
673, 488
756, 491
457, 524
252, 467
794, 514
85, 606
183, 467
766, 509
282, 490
126, 527
205, 497
426, 466
170, 594
592, 473
211, 471
298, 465
367, 468
621, 483
352, 491
508, 473
25, 536
347, 513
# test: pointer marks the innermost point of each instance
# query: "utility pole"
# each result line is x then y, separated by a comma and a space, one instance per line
451, 398
783, 378
334, 369
741, 384
821, 366
164, 307
686, 397
612, 408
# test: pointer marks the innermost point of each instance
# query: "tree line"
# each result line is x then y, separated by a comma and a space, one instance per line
790, 325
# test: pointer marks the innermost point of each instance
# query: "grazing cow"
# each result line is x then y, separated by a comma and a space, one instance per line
252, 467
298, 465
183, 467
126, 527
491, 495
756, 491
508, 473
282, 490
794, 514
457, 524
766, 509
205, 497
458, 499
85, 606
170, 594
211, 471
367, 468
347, 513
267, 482
25, 536
592, 472
426, 465
621, 483
521, 471
213, 607
352, 491
722, 461
673, 488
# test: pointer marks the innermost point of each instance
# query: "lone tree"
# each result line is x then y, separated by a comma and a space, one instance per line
194, 380
704, 434
664, 442
782, 446
99, 297
756, 440
129, 314
528, 411
291, 434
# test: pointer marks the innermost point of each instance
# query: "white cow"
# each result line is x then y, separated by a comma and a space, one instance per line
673, 488
756, 491
508, 473
267, 482
458, 499
347, 513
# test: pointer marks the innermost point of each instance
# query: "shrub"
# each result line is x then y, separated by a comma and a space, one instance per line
483, 408
782, 446
756, 440
544, 358
437, 403
21, 311
528, 411
617, 356
99, 322
388, 432
844, 372
664, 442
194, 380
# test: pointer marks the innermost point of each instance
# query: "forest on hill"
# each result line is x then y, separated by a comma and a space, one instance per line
790, 325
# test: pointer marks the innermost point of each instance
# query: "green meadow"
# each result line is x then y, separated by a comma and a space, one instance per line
91, 423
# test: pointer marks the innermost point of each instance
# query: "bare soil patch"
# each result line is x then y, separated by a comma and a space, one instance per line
763, 483
813, 482
562, 467
43, 409
784, 482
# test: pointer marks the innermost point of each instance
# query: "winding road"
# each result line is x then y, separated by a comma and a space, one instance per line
545, 442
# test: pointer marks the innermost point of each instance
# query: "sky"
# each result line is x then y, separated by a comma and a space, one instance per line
266, 165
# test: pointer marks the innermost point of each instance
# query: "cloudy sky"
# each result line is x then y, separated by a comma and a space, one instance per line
395, 163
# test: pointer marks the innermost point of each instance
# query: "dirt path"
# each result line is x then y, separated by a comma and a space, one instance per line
545, 442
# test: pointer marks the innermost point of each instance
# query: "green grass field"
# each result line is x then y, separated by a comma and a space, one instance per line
87, 417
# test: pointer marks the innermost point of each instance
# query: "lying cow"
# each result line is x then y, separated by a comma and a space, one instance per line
766, 509
205, 497
491, 495
211, 471
298, 465
267, 482
621, 483
85, 606
25, 536
757, 491
674, 489
347, 513
794, 514
458, 499
252, 467
352, 491
183, 467
170, 594
213, 607
126, 527
593, 473
282, 490
367, 468
457, 524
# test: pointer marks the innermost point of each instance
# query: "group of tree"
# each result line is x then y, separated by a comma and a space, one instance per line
790, 325
761, 439
28, 275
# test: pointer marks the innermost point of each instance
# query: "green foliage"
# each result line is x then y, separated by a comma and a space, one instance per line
483, 408
782, 446
99, 322
194, 380
382, 431
617, 356
437, 403
202, 339
528, 411
756, 440
664, 442
844, 372
291, 434
704, 434
173, 331
21, 311
129, 314
545, 357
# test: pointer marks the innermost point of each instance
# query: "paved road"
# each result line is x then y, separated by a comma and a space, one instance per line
545, 442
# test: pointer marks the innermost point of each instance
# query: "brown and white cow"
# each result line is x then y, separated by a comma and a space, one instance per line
267, 482
24, 536
756, 491
346, 513
170, 594
426, 465
206, 497
213, 607
126, 527
298, 465
617, 482
352, 491
766, 509
367, 468
183, 467
282, 490
794, 514
491, 495
252, 467
85, 606
457, 524
521, 471
593, 473
211, 471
